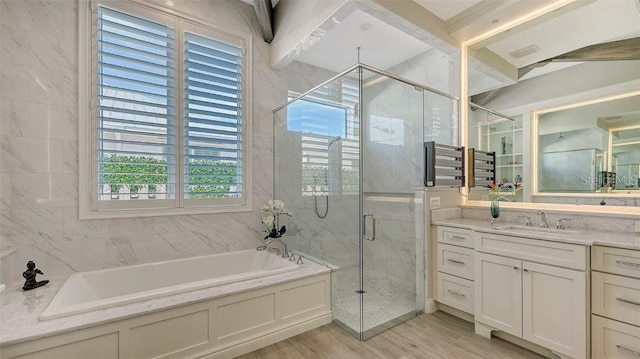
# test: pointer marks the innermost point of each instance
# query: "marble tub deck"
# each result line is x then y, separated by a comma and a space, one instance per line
20, 310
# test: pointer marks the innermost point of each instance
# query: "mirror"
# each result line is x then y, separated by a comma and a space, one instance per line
566, 89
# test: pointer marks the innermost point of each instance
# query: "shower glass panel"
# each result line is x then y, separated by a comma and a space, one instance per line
316, 173
348, 162
392, 186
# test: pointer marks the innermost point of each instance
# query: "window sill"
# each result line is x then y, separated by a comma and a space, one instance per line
158, 212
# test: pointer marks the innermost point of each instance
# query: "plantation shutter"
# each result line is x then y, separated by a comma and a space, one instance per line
136, 110
213, 140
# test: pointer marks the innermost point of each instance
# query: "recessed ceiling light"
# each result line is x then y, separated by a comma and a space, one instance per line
495, 21
524, 51
365, 26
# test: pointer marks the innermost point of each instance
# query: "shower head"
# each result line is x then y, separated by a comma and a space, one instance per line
335, 139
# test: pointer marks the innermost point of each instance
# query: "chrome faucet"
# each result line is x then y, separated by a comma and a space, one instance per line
528, 222
284, 252
560, 224
543, 219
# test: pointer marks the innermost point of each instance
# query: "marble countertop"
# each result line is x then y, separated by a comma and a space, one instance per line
587, 238
20, 310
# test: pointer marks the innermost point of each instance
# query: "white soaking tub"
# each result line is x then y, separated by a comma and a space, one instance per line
88, 291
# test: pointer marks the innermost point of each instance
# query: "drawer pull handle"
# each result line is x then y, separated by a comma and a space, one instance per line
455, 237
621, 348
628, 301
455, 261
628, 263
455, 293
516, 268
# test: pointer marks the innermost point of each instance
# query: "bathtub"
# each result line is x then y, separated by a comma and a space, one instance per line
89, 291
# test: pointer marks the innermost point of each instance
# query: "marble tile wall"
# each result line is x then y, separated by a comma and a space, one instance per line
39, 147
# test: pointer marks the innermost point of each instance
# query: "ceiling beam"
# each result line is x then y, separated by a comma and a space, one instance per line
264, 11
628, 49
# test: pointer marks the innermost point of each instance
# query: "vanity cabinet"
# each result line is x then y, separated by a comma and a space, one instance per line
615, 298
532, 289
455, 256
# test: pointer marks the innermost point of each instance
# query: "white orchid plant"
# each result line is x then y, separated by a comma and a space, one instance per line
271, 219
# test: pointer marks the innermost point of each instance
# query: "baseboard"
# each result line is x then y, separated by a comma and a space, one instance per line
430, 306
265, 340
525, 344
456, 312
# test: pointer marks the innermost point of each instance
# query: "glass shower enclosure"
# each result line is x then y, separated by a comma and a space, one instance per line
349, 164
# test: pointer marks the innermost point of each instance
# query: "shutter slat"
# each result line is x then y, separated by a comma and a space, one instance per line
110, 27
213, 63
230, 57
215, 105
160, 59
208, 80
135, 83
140, 101
203, 121
211, 70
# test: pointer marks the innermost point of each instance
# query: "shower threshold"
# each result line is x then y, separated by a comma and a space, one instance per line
378, 328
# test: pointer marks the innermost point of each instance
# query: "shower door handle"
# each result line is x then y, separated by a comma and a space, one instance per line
364, 225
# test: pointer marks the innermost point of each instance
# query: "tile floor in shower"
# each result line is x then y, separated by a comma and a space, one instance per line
385, 299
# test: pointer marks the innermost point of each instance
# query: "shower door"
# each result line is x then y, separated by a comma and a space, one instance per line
392, 209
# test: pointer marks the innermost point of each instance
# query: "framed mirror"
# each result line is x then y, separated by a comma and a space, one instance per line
569, 81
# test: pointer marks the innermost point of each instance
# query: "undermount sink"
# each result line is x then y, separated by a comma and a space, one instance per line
537, 231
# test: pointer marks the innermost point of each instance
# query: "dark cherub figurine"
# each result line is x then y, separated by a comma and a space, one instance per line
30, 276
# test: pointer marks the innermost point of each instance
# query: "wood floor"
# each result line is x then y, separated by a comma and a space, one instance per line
438, 335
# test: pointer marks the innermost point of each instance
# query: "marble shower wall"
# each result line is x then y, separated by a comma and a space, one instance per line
39, 147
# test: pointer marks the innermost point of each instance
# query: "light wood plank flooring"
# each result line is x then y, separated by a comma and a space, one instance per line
427, 336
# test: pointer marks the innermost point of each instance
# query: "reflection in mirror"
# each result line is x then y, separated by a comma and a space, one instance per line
625, 157
590, 148
491, 131
583, 51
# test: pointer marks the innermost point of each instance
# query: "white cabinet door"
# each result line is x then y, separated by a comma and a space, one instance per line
498, 293
555, 308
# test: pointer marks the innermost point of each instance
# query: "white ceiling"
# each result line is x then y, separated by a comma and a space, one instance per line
381, 45
446, 9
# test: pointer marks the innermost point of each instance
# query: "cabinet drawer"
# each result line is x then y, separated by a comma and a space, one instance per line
454, 260
616, 260
611, 339
616, 297
455, 292
455, 236
548, 252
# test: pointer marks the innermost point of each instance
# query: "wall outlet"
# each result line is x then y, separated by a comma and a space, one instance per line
637, 226
435, 203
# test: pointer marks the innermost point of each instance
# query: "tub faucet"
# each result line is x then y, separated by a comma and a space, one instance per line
560, 223
543, 220
283, 252
528, 222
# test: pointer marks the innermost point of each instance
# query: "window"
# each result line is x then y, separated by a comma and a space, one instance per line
328, 126
167, 130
